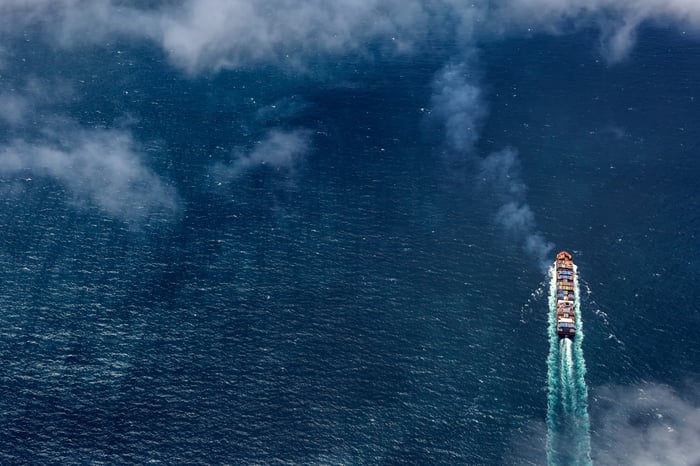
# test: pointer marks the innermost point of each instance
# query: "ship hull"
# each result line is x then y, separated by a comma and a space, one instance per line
565, 274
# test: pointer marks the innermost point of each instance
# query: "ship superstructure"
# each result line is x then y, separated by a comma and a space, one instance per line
566, 315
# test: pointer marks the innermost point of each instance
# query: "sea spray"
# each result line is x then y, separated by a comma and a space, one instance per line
568, 436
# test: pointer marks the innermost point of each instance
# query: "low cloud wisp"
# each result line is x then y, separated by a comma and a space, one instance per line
98, 167
651, 425
280, 149
616, 20
210, 35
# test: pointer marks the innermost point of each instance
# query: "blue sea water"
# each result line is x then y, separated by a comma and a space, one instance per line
363, 307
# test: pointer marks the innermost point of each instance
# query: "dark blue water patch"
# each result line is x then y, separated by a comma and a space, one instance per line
275, 321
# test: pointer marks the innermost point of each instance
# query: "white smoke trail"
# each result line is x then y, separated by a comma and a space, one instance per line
458, 102
501, 172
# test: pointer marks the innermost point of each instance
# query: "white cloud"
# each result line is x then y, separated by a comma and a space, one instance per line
13, 108
280, 150
205, 35
18, 105
215, 34
617, 20
3, 57
101, 167
651, 425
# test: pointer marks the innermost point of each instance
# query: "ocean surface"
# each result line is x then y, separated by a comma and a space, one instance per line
355, 300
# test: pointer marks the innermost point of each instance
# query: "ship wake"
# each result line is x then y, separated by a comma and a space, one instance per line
568, 435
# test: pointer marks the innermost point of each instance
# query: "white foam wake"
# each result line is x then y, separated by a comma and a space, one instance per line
568, 424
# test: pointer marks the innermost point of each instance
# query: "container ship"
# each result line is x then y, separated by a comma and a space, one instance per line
566, 316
